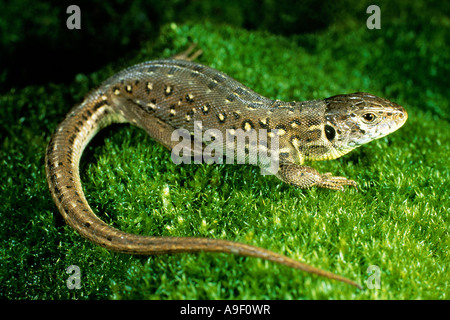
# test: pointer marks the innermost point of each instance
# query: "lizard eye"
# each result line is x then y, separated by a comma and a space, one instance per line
369, 117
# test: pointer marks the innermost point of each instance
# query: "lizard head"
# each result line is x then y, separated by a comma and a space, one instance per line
354, 119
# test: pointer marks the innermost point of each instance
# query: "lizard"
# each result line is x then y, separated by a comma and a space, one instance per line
163, 95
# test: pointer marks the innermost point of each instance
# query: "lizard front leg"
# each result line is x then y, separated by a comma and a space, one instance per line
305, 177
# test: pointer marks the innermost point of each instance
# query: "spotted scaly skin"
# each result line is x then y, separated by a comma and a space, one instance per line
163, 95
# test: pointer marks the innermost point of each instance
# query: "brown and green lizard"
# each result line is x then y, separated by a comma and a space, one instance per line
164, 95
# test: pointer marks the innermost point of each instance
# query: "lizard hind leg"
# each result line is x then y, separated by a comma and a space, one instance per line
188, 55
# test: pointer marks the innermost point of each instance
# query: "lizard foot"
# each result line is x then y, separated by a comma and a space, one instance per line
335, 183
188, 55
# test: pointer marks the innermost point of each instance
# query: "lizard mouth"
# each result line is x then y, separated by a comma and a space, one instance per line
396, 118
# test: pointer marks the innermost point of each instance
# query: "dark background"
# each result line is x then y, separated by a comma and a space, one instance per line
36, 47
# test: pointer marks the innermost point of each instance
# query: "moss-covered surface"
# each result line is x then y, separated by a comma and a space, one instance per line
397, 221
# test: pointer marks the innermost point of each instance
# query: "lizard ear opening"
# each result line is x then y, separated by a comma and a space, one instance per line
330, 132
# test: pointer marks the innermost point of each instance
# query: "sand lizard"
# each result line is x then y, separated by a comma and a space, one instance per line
163, 95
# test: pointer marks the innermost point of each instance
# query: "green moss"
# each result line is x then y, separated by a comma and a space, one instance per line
398, 220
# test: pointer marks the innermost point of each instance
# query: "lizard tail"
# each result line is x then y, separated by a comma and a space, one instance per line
62, 170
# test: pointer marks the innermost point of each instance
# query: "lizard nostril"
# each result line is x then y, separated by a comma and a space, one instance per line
403, 115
